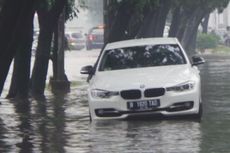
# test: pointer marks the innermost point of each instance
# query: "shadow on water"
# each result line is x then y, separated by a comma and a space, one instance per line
26, 132
50, 124
3, 145
38, 126
145, 136
60, 124
216, 97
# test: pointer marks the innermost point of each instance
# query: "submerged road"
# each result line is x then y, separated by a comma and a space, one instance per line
61, 123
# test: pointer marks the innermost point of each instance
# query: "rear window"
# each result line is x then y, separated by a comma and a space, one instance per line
77, 35
142, 56
67, 36
98, 31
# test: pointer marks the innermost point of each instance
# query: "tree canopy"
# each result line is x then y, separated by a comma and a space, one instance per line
147, 18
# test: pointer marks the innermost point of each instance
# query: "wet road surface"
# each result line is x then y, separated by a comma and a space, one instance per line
60, 124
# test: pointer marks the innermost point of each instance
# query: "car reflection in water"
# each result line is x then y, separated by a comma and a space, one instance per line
145, 136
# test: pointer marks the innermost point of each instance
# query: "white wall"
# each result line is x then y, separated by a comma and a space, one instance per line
219, 21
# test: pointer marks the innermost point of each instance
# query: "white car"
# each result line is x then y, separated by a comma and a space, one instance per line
144, 77
75, 39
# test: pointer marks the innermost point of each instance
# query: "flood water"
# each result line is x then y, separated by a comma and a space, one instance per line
60, 124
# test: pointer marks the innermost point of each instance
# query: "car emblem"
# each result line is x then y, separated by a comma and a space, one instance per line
142, 86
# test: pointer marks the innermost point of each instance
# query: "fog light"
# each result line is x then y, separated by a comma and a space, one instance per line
100, 111
181, 106
107, 112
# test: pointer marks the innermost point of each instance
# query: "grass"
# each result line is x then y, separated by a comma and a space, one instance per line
221, 49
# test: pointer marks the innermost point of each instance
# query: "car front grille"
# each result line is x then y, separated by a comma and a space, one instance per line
155, 92
131, 94
137, 94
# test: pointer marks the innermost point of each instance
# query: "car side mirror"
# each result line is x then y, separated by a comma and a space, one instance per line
87, 69
196, 60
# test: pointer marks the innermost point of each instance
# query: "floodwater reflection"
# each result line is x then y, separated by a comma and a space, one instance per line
146, 136
60, 124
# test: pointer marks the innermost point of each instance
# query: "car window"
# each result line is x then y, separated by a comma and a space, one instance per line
97, 31
67, 36
77, 35
141, 56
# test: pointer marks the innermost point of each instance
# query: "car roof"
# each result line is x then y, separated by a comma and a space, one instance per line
71, 32
141, 42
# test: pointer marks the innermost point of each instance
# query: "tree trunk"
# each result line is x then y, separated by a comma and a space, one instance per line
191, 27
175, 22
154, 20
204, 24
38, 80
47, 21
21, 74
161, 17
146, 30
15, 19
179, 20
119, 27
106, 20
182, 25
191, 47
55, 53
59, 82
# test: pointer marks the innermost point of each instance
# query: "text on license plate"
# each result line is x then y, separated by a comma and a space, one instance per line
143, 105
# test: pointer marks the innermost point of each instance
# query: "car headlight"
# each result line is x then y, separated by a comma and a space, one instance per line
182, 87
99, 93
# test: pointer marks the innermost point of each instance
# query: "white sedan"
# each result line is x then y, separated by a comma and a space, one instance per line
144, 77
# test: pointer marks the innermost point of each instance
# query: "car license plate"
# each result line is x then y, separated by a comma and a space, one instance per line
143, 105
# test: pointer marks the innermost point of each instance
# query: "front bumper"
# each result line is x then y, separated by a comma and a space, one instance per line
171, 104
111, 112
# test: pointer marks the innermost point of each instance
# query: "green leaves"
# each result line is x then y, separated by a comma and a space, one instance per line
45, 4
205, 41
71, 10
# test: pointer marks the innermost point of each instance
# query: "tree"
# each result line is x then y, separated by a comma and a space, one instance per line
15, 29
207, 41
187, 16
48, 20
20, 81
135, 19
24, 35
153, 14
204, 23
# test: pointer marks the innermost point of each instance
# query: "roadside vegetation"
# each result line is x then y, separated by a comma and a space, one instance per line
211, 43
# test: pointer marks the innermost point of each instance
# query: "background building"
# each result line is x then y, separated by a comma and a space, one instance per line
219, 21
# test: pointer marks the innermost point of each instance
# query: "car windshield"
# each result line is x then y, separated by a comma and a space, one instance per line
141, 56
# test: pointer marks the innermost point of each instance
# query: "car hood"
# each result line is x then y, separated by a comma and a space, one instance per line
164, 76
